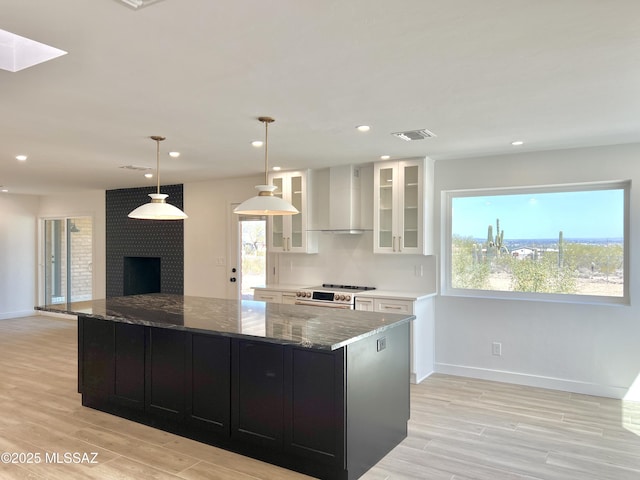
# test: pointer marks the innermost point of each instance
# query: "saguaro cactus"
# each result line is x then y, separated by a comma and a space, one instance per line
495, 244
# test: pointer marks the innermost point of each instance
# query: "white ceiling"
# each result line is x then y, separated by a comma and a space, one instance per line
479, 74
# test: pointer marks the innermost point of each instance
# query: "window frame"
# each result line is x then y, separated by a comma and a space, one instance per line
447, 197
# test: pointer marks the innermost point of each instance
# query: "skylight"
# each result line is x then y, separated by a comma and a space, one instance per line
18, 53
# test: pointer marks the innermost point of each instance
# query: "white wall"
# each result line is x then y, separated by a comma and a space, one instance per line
208, 205
85, 203
17, 254
581, 348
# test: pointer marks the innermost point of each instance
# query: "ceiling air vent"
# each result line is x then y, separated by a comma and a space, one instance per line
135, 167
412, 135
136, 4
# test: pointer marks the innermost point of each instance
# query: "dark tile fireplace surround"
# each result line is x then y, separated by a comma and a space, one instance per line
143, 256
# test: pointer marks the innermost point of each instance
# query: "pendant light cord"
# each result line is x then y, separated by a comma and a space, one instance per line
266, 121
157, 139
266, 152
158, 163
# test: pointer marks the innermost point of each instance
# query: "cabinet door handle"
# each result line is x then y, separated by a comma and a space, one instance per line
391, 307
399, 244
393, 243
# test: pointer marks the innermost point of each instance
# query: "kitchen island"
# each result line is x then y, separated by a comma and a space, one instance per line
317, 390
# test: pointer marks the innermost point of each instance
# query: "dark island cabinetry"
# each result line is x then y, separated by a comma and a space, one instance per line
257, 393
208, 383
331, 411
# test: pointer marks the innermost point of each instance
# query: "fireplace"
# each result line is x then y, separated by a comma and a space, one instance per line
127, 238
141, 275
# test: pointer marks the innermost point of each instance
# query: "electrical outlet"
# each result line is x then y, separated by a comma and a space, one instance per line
221, 261
382, 343
417, 269
496, 349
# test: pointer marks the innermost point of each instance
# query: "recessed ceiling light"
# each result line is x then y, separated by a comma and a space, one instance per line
174, 154
4, 190
257, 143
148, 175
277, 169
517, 143
17, 53
363, 128
22, 158
385, 157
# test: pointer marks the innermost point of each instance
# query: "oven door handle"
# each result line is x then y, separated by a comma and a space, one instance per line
325, 305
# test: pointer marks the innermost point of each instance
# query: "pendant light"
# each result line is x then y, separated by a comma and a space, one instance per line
265, 203
158, 208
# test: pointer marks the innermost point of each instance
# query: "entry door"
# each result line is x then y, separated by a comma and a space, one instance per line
247, 254
68, 260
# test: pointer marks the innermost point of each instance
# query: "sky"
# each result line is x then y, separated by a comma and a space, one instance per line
597, 214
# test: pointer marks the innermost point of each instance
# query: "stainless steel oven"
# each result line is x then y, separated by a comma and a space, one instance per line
330, 295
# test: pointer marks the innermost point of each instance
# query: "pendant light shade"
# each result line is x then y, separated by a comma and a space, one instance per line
266, 203
158, 208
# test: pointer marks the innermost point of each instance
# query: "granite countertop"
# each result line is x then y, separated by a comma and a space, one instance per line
311, 327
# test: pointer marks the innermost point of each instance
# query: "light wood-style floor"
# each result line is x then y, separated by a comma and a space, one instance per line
460, 428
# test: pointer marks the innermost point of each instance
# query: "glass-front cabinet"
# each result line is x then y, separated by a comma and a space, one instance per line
400, 206
288, 233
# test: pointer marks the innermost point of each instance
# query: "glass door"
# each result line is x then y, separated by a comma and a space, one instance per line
297, 233
411, 211
385, 209
68, 260
277, 224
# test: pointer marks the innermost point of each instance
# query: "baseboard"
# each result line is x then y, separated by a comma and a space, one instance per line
19, 314
551, 383
413, 378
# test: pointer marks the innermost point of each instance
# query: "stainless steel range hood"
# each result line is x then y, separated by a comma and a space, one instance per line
344, 200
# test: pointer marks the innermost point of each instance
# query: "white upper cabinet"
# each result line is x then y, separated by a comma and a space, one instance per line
289, 233
403, 207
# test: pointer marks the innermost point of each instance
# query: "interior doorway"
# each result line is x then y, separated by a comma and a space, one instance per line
68, 260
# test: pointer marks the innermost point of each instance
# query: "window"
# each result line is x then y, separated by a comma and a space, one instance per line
555, 243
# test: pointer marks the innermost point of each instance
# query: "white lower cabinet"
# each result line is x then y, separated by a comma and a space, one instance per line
393, 306
267, 296
364, 304
421, 331
274, 296
289, 298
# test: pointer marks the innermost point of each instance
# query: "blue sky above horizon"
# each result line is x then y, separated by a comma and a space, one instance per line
594, 214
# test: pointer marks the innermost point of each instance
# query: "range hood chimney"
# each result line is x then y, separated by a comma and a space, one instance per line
344, 199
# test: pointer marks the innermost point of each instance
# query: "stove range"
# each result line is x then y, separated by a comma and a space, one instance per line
330, 295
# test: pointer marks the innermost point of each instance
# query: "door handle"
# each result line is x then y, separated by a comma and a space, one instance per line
232, 279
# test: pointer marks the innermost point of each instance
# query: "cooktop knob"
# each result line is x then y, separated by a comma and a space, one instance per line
308, 294
348, 298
